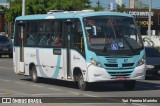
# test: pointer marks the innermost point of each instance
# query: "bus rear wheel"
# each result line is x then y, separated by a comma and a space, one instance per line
81, 83
129, 85
34, 76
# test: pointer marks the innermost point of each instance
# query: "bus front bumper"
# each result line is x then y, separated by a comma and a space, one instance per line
98, 74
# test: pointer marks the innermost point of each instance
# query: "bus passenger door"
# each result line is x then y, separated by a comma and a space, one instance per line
19, 57
21, 50
74, 44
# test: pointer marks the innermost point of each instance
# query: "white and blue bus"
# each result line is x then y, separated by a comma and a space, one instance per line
80, 46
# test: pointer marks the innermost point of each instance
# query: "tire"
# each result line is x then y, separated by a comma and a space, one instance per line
81, 83
129, 85
34, 76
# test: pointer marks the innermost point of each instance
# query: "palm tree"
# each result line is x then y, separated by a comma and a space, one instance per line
121, 8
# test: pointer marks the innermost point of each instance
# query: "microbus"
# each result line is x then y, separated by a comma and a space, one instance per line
80, 46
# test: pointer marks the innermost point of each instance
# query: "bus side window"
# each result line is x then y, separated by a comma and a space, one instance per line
50, 40
30, 40
57, 39
51, 29
31, 33
43, 40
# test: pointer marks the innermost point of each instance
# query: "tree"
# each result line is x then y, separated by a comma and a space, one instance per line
43, 6
5, 9
14, 10
121, 8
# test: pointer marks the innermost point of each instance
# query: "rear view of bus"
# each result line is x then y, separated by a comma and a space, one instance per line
115, 49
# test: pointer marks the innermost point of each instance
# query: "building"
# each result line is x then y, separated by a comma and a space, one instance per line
119, 2
145, 5
5, 5
131, 3
112, 6
141, 16
139, 4
2, 21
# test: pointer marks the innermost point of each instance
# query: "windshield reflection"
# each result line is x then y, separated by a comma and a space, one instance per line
112, 33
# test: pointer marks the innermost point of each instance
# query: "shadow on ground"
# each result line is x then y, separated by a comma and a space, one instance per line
151, 84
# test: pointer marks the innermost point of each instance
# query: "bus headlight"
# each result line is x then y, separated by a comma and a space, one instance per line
141, 61
95, 62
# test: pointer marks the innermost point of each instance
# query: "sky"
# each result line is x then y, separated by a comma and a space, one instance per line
104, 3
3, 1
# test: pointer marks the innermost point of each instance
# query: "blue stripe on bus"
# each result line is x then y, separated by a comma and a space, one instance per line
38, 62
56, 72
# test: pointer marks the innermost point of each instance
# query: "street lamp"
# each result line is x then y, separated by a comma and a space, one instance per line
149, 18
23, 7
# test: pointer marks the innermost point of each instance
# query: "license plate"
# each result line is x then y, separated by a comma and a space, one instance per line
120, 78
5, 49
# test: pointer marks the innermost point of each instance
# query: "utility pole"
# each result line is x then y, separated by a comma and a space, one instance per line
149, 18
23, 7
98, 3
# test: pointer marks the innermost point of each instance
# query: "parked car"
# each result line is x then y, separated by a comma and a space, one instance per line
6, 46
152, 61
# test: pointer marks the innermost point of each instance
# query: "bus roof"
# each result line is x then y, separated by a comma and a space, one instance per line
72, 14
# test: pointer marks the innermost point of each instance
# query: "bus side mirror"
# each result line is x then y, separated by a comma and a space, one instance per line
94, 31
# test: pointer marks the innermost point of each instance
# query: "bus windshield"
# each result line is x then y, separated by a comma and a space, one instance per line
112, 34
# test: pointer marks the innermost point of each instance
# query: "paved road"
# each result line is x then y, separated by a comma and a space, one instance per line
12, 85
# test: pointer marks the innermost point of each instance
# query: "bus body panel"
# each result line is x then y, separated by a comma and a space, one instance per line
50, 65
78, 61
47, 64
15, 59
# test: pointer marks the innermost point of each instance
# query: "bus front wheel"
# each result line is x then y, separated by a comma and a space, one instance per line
129, 85
81, 83
34, 76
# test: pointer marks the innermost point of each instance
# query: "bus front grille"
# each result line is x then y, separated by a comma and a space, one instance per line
124, 65
126, 73
111, 65
127, 64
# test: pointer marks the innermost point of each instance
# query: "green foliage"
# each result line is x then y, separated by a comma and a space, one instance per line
145, 7
121, 7
43, 6
14, 10
3, 8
